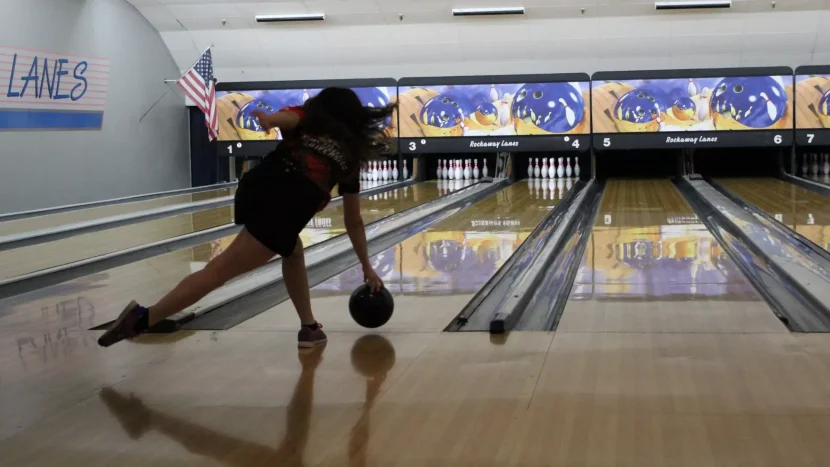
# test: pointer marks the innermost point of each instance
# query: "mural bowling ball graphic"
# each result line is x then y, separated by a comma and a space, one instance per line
824, 110
247, 124
443, 115
748, 103
487, 114
684, 109
637, 112
545, 108
374, 97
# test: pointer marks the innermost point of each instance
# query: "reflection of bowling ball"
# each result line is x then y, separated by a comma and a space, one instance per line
442, 116
371, 310
373, 97
637, 111
683, 109
487, 114
544, 108
372, 356
445, 255
748, 103
247, 125
824, 110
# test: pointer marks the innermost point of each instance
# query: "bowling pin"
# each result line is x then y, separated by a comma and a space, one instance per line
552, 168
451, 171
530, 167
384, 173
305, 95
475, 169
458, 169
826, 167
484, 168
445, 171
438, 173
536, 171
394, 170
772, 111
494, 95
362, 171
576, 167
560, 168
815, 164
544, 167
692, 88
405, 170
374, 171
804, 167
467, 169
568, 170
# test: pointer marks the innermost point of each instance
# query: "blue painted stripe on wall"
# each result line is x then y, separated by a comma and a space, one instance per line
27, 119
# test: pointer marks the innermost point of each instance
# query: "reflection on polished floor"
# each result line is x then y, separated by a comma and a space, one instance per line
606, 391
800, 209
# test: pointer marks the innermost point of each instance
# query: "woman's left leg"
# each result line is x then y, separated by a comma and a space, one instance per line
244, 254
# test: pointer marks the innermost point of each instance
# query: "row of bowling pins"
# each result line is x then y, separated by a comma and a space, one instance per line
382, 170
452, 170
555, 169
550, 189
813, 167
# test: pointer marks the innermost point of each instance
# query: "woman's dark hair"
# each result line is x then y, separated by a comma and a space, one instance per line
338, 114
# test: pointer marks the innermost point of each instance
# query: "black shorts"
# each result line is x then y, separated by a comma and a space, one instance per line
275, 202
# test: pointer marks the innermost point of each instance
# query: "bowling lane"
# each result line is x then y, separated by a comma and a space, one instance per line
82, 215
96, 299
800, 209
434, 273
651, 266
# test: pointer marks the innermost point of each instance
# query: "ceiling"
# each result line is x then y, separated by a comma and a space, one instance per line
396, 38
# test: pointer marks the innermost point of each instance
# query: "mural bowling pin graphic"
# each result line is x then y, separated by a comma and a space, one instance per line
544, 167
772, 111
305, 95
692, 88
576, 167
703, 105
494, 95
569, 113
475, 169
484, 167
560, 170
568, 170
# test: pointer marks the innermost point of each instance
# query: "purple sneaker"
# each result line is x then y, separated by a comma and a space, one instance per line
308, 337
124, 327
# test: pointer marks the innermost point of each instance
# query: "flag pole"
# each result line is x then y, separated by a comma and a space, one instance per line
191, 66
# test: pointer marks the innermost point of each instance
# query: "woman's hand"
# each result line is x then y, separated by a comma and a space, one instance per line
262, 118
372, 279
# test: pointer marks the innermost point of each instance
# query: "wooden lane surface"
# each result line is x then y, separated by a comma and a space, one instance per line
82, 215
651, 266
92, 300
800, 209
45, 255
434, 273
249, 398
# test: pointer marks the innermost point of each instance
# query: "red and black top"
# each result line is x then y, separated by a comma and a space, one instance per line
321, 159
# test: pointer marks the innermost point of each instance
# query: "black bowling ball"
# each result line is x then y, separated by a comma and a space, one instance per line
371, 310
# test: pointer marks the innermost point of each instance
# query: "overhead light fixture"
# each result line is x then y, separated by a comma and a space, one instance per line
693, 5
488, 11
288, 18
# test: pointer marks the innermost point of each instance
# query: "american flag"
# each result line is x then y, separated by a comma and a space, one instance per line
198, 84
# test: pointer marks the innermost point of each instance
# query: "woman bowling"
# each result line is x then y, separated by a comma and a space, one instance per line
324, 143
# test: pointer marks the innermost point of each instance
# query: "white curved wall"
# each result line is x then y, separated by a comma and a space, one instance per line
365, 38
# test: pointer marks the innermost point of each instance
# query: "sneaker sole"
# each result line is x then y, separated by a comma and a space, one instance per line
308, 345
115, 324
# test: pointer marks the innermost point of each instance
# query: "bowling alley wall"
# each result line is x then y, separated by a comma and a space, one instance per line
561, 114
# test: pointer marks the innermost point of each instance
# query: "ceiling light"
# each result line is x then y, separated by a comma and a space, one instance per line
693, 5
287, 18
487, 11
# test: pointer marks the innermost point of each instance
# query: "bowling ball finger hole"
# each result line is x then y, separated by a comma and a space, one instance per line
537, 94
738, 88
